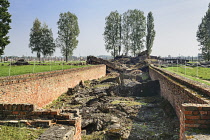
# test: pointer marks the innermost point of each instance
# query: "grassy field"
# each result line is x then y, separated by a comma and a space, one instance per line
19, 133
7, 70
199, 74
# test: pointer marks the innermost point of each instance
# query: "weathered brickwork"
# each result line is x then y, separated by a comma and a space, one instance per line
186, 97
26, 114
42, 88
196, 115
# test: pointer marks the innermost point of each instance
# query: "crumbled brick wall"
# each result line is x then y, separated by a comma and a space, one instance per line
179, 91
27, 114
42, 88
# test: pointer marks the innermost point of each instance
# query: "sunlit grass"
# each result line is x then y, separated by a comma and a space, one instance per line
199, 74
127, 103
7, 70
19, 133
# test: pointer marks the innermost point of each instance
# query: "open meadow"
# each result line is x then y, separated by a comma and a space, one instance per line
9, 70
199, 74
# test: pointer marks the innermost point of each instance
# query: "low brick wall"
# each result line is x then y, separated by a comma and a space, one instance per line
41, 89
196, 115
26, 114
189, 98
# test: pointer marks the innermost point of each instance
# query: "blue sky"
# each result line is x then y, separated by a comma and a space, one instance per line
176, 23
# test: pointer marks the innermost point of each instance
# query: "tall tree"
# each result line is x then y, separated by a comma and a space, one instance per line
35, 38
41, 39
134, 31
150, 33
112, 33
68, 31
5, 20
47, 41
126, 31
203, 35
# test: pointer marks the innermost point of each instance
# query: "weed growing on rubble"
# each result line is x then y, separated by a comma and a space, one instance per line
127, 103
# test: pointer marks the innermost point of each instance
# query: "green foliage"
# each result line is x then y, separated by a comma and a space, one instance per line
5, 20
150, 33
112, 33
127, 29
41, 39
19, 133
203, 35
134, 26
35, 38
68, 31
47, 41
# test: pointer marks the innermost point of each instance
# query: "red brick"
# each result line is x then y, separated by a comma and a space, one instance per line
15, 112
187, 112
26, 107
190, 121
192, 125
23, 107
37, 113
206, 108
43, 93
195, 112
45, 112
9, 107
204, 126
204, 112
22, 113
19, 107
205, 117
201, 121
54, 113
192, 117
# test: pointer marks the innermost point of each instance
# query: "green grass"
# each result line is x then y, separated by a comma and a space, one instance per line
191, 73
128, 103
6, 70
94, 136
19, 133
101, 86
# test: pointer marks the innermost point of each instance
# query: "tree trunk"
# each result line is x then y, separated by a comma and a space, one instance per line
114, 52
66, 55
66, 58
119, 49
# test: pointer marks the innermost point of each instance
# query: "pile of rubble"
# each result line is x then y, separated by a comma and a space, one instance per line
20, 62
123, 105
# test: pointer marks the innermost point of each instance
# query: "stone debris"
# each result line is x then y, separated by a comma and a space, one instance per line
58, 133
123, 105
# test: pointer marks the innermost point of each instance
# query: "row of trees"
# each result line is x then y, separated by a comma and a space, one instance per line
41, 37
203, 35
129, 30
